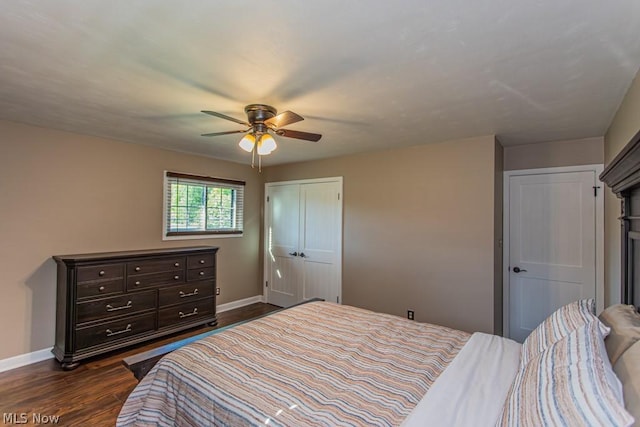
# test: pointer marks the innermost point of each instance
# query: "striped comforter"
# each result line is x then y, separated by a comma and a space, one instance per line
315, 364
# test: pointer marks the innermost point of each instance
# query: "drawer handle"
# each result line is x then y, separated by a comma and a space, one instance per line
183, 295
137, 282
193, 313
201, 261
110, 333
122, 307
137, 269
101, 273
176, 277
201, 273
101, 288
177, 264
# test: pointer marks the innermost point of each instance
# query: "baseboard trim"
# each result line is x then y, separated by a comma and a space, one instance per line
239, 303
44, 354
25, 359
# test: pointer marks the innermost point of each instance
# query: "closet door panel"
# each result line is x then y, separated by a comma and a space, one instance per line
282, 233
319, 230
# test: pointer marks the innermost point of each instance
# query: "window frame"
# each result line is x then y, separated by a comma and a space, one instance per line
169, 176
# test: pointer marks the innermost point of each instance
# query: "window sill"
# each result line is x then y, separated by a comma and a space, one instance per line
201, 236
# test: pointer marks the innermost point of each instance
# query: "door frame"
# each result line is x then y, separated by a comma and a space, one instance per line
265, 236
599, 235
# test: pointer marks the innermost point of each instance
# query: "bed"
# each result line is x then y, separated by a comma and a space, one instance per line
326, 364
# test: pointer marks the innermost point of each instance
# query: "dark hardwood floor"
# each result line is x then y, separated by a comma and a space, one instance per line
92, 394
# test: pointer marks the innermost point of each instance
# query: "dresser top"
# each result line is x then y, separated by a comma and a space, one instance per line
129, 254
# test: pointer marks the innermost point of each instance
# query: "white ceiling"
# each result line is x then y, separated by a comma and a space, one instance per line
367, 74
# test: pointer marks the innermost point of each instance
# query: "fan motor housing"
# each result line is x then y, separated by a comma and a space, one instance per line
258, 113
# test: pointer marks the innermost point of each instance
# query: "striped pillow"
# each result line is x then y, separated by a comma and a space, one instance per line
571, 383
558, 325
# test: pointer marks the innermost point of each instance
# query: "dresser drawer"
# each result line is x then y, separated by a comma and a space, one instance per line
201, 274
155, 265
185, 313
154, 279
100, 272
105, 308
184, 293
94, 289
198, 261
115, 330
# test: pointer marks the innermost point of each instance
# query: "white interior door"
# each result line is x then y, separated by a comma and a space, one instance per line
303, 232
282, 232
552, 248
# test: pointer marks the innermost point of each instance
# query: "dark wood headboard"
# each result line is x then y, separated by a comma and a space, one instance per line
623, 176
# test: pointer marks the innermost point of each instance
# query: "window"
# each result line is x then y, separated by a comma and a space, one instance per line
202, 206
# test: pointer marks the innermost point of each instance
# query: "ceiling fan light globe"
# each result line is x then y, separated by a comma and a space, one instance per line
262, 151
247, 143
267, 144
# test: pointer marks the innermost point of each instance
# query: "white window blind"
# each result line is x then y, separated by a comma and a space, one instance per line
200, 205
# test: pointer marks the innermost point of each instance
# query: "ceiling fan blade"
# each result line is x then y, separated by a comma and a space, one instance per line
224, 133
222, 116
283, 119
299, 135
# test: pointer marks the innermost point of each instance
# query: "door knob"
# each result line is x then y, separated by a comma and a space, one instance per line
302, 255
518, 270
293, 253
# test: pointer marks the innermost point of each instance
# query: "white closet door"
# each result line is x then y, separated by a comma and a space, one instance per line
319, 240
282, 237
303, 235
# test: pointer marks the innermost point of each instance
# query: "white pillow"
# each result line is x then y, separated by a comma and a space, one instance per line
627, 369
624, 322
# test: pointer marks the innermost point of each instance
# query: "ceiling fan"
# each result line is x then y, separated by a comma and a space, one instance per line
262, 121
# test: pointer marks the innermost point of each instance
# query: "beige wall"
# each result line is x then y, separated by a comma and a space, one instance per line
418, 229
65, 193
625, 124
588, 151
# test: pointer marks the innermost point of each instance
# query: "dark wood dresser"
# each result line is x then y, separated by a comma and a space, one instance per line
107, 301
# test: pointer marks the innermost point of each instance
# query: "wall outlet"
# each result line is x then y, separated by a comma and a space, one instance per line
217, 291
410, 314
